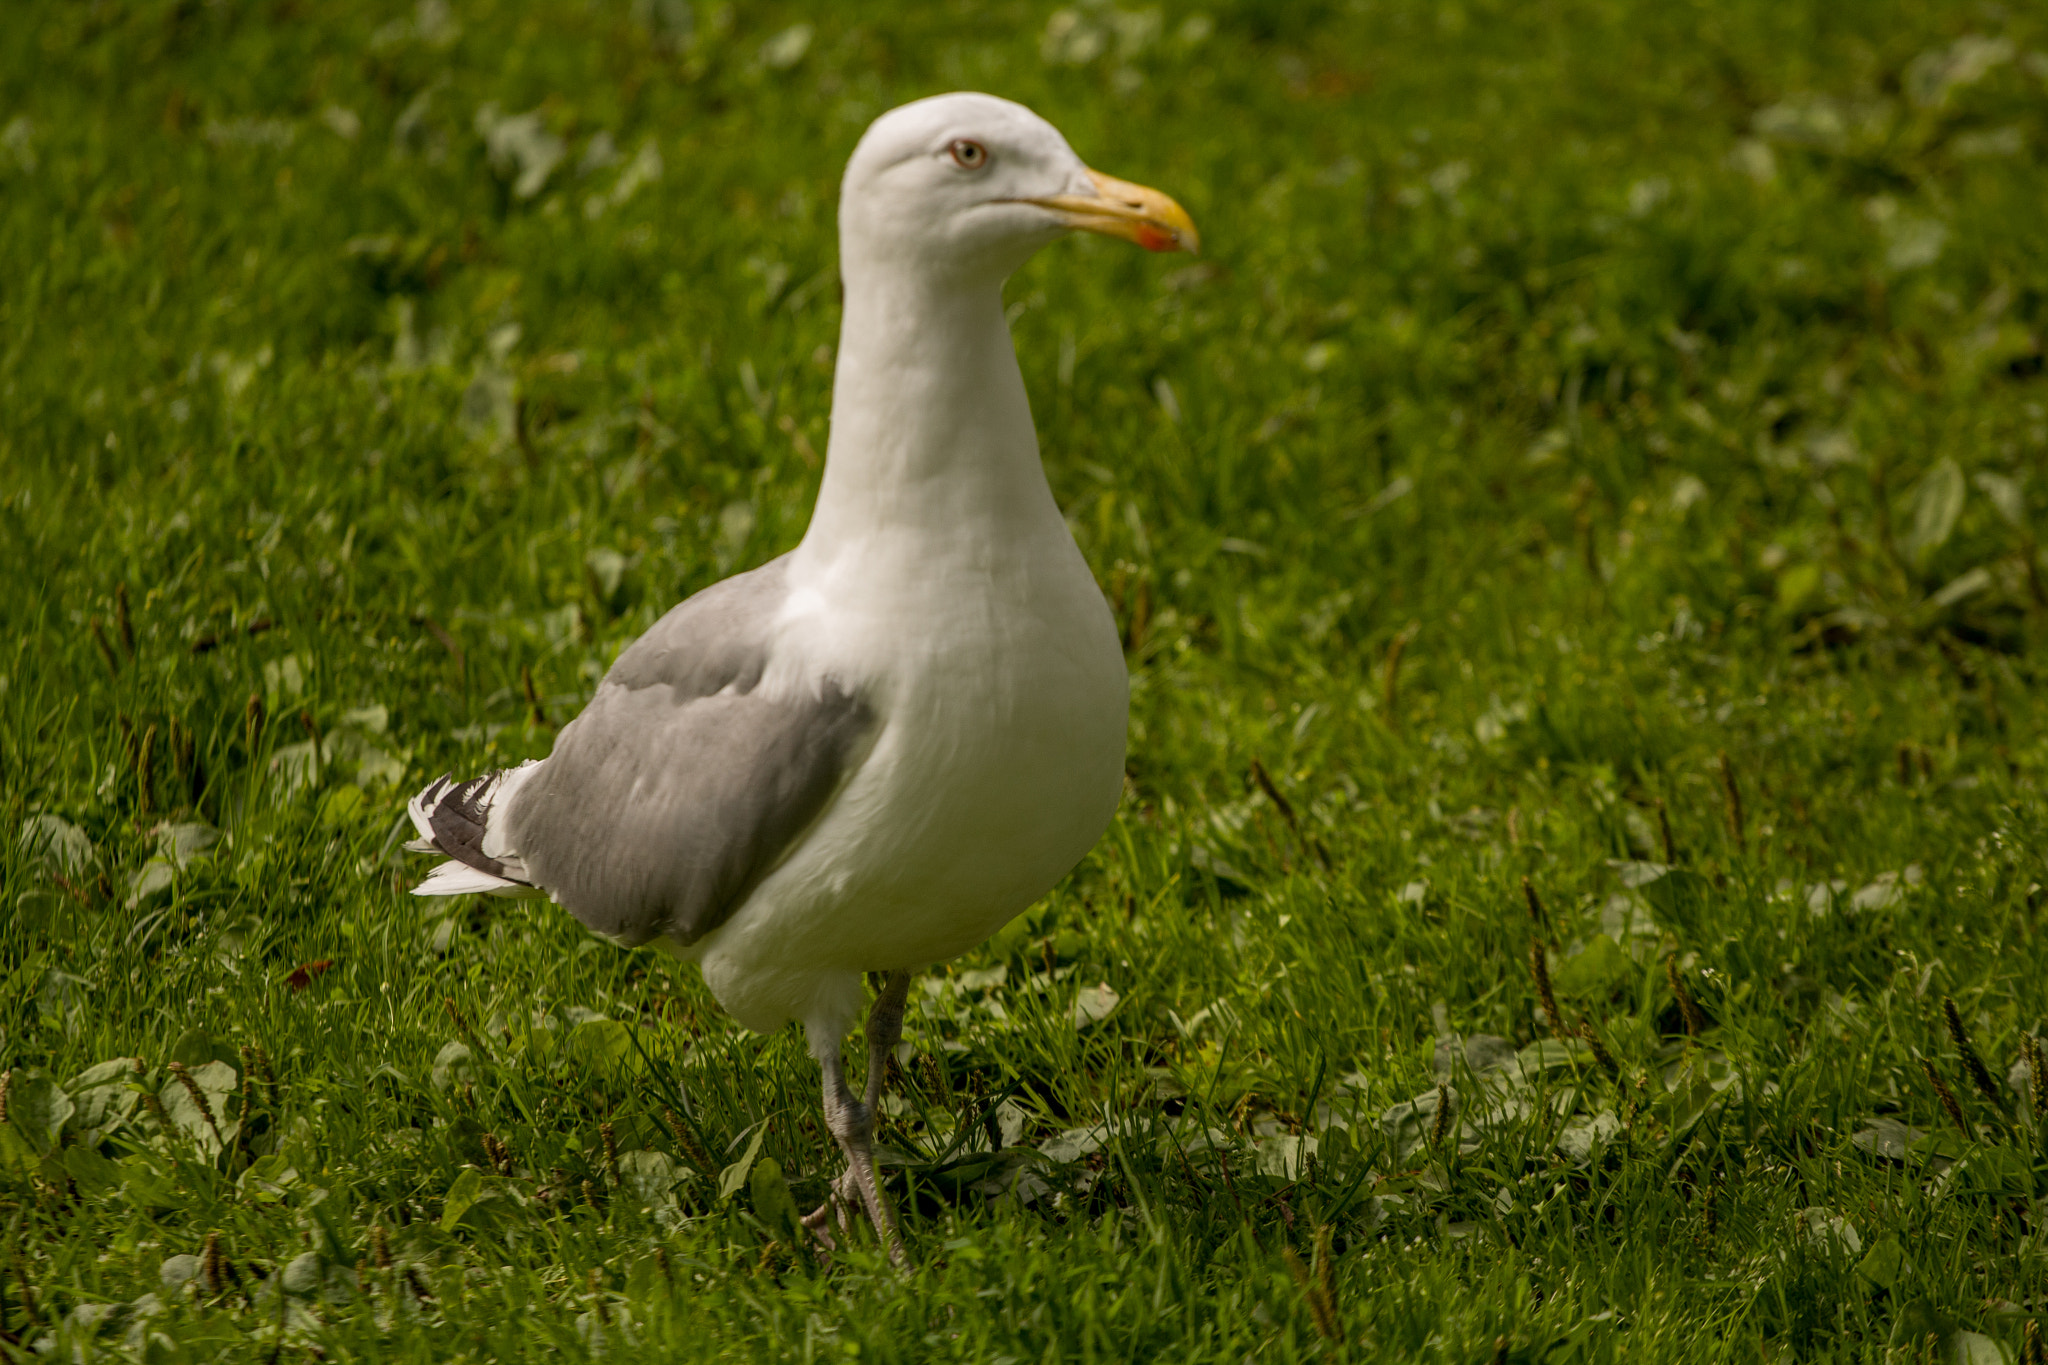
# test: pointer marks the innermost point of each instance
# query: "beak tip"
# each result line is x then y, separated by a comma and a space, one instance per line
1170, 236
1135, 213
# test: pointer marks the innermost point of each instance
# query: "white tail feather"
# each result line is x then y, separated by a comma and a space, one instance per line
419, 810
460, 878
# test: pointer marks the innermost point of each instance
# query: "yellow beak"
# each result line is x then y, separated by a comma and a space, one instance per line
1133, 212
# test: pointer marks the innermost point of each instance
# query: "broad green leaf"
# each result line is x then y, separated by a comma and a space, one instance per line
339, 806
1597, 969
37, 1107
735, 1175
195, 1048
1887, 1138
1829, 1231
1884, 1264
2008, 496
1674, 893
2000, 1171
118, 1071
302, 1275
1553, 1054
461, 1195
773, 1203
147, 1185
64, 998
1580, 1134
453, 1066
1284, 1155
105, 1096
1699, 1083
1963, 586
650, 1175
599, 1044
1974, 1348
94, 1173
374, 719
179, 844
1937, 506
1093, 1004
63, 845
1796, 584
267, 1178
209, 1128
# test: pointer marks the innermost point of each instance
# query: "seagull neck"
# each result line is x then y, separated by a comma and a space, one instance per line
931, 429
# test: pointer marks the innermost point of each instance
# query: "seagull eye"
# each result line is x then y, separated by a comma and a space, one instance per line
968, 154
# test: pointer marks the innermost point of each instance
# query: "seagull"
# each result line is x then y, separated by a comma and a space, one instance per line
866, 756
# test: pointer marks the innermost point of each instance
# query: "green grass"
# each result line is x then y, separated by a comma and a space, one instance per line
1573, 394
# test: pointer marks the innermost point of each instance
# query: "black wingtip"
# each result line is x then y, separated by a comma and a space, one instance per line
458, 814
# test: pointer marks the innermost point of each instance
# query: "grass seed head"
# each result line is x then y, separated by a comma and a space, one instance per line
2037, 1083
1326, 1279
150, 1100
214, 1270
937, 1084
1600, 1052
99, 637
24, 1284
1948, 1100
121, 619
611, 1154
1140, 618
145, 772
1695, 1017
183, 1076
686, 1141
1539, 968
1980, 1075
1280, 802
185, 762
1321, 1292
469, 1035
380, 1246
497, 1153
1537, 916
1442, 1126
1320, 1305
1732, 795
1391, 684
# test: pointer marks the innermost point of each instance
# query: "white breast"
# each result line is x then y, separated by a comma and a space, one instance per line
1001, 698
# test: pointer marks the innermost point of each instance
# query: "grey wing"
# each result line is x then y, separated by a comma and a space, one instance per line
681, 785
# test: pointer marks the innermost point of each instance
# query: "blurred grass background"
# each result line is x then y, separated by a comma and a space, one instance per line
1600, 446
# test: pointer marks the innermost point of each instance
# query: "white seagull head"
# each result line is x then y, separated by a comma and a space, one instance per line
970, 186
